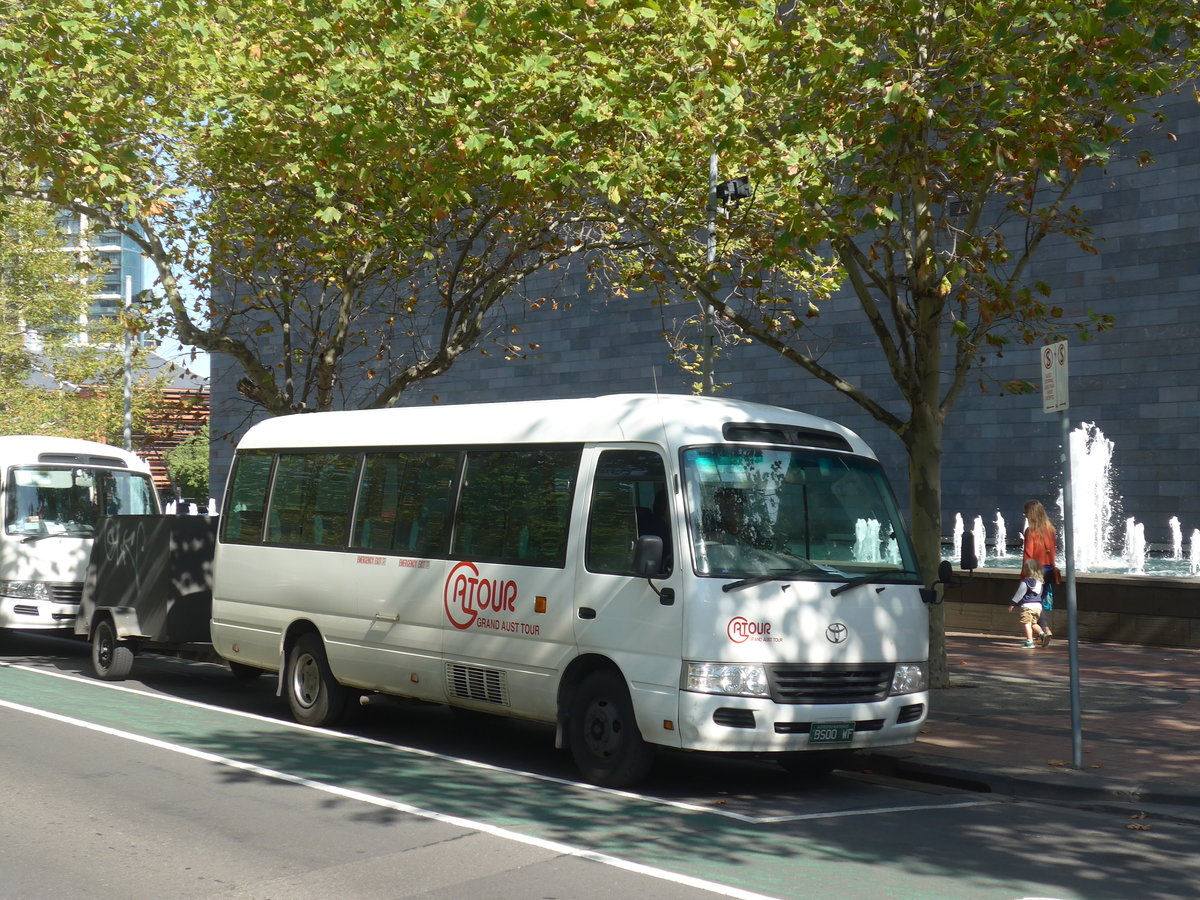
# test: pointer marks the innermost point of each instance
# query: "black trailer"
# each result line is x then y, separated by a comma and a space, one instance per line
148, 587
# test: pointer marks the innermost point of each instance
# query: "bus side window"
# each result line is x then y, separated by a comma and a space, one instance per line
403, 502
515, 505
629, 499
248, 498
311, 499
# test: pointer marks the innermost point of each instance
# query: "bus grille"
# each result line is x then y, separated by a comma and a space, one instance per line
827, 684
66, 591
474, 683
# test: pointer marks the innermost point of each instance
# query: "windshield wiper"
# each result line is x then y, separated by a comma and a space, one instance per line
49, 534
871, 578
776, 575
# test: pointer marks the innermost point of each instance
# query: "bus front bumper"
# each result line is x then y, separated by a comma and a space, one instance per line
743, 724
39, 615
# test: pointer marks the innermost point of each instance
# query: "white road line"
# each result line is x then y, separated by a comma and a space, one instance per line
519, 773
362, 797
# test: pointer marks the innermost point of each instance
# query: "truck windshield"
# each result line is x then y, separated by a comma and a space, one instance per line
794, 512
66, 500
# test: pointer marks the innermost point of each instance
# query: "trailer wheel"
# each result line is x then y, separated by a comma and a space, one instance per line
314, 695
606, 744
112, 659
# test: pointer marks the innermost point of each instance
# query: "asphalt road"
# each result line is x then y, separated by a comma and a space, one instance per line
184, 782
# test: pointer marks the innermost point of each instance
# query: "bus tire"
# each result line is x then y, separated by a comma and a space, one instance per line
314, 695
112, 658
605, 741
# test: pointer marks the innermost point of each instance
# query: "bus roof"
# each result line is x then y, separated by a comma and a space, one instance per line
26, 449
671, 419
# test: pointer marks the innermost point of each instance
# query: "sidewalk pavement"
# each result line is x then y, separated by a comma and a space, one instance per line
1004, 724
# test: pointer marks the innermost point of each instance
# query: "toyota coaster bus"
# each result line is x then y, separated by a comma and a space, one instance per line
638, 571
52, 491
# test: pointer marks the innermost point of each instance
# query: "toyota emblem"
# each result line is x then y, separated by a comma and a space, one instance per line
837, 633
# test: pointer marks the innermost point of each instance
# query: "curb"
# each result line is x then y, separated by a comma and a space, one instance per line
1021, 783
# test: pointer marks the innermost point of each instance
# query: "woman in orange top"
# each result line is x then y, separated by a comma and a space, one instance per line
1040, 545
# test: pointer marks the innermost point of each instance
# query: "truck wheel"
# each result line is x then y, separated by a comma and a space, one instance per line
315, 696
112, 659
605, 741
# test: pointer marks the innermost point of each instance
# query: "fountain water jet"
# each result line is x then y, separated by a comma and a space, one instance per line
980, 538
1001, 537
1092, 498
1135, 547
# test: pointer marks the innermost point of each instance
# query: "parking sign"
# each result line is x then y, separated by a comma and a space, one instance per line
1054, 377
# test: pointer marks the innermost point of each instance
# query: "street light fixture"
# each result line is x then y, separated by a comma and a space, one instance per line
724, 192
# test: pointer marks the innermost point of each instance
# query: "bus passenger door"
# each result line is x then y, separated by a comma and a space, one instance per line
506, 598
401, 536
617, 614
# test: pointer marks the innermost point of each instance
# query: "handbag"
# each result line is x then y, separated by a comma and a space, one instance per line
1047, 597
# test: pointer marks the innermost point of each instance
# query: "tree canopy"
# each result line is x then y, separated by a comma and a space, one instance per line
313, 162
423, 158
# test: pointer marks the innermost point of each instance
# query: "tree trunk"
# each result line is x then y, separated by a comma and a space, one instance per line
923, 441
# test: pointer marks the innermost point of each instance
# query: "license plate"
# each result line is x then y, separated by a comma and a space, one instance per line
831, 733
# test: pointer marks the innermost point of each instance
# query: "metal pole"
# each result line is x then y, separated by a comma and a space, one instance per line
706, 385
128, 366
1072, 617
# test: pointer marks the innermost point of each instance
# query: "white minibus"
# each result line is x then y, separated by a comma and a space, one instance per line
636, 570
53, 490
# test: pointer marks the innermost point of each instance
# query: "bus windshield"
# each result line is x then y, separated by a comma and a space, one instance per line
68, 500
760, 511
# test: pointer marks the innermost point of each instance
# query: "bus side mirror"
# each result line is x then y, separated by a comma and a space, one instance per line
969, 561
648, 556
946, 577
648, 562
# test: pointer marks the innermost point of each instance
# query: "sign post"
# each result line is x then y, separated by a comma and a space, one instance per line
1055, 398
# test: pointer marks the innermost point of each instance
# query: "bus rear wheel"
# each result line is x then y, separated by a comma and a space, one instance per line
605, 741
112, 658
314, 695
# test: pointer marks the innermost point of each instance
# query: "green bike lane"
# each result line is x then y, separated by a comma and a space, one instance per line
775, 856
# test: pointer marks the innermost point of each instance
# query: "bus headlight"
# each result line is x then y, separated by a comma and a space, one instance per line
726, 678
25, 590
910, 678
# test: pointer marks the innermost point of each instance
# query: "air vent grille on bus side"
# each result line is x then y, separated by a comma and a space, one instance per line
796, 435
474, 683
829, 683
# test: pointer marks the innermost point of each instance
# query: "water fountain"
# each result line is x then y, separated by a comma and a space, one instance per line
866, 540
1135, 547
1092, 495
1095, 506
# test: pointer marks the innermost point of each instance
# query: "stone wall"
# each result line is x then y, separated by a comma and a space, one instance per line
1127, 609
1139, 383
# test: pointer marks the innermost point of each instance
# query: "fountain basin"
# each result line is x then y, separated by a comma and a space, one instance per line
1128, 609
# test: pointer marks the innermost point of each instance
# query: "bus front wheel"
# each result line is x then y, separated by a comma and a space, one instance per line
112, 658
314, 695
606, 744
